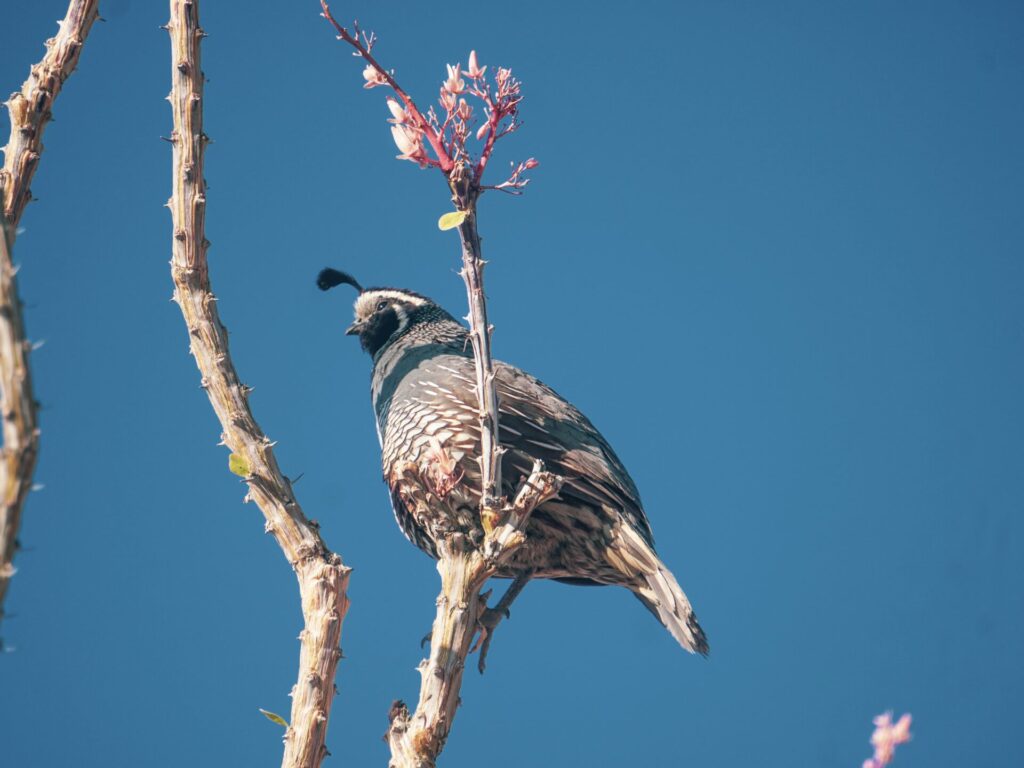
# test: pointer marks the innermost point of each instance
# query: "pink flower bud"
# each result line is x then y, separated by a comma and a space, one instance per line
454, 84
372, 77
474, 70
482, 131
406, 139
465, 111
531, 163
397, 110
887, 737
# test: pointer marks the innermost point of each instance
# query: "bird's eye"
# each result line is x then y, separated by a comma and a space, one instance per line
381, 305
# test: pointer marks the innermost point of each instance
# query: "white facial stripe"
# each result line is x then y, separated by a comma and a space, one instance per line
403, 317
366, 303
409, 299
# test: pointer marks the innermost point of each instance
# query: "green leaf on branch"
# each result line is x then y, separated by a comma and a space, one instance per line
275, 718
451, 220
239, 466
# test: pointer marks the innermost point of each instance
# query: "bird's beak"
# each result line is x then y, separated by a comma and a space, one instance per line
354, 330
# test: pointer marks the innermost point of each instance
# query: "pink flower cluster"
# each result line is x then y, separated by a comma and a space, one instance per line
429, 140
887, 736
499, 101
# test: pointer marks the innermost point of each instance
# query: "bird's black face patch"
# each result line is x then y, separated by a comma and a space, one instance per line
377, 329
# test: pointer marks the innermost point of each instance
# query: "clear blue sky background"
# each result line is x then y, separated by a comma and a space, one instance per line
774, 250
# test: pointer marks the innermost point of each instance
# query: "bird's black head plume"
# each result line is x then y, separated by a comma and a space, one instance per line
329, 278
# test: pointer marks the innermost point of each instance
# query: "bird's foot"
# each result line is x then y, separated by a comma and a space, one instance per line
489, 618
487, 621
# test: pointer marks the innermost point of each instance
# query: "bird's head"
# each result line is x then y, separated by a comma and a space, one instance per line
382, 315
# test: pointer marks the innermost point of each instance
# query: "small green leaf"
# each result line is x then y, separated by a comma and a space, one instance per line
238, 465
275, 718
451, 220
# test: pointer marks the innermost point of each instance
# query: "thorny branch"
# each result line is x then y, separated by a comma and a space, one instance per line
322, 576
417, 739
30, 110
20, 429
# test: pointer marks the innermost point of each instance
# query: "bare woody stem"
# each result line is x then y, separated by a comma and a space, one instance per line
30, 111
417, 739
322, 576
31, 108
465, 194
20, 428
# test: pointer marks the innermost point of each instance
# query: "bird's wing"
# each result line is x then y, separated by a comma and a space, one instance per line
538, 423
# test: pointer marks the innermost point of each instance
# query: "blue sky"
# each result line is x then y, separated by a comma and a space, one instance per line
775, 251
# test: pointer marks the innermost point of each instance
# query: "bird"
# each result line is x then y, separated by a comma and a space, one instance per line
423, 389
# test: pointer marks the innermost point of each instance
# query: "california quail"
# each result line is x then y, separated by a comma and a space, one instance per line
424, 397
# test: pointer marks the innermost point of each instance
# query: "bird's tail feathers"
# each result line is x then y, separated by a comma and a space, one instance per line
658, 589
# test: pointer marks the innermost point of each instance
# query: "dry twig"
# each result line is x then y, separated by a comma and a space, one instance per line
323, 578
30, 111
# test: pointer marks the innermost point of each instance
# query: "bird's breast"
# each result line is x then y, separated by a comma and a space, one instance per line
427, 413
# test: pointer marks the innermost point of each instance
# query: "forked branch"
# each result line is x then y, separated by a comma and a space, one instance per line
30, 111
323, 578
417, 739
